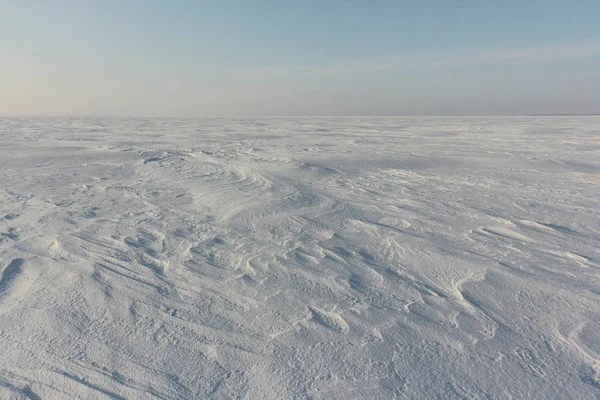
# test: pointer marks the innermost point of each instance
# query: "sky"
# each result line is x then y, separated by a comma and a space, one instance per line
288, 58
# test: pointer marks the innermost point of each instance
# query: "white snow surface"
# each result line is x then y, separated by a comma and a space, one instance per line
323, 258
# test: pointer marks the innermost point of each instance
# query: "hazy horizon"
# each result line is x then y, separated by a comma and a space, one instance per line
153, 59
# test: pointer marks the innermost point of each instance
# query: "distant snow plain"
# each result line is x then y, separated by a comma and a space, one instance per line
323, 258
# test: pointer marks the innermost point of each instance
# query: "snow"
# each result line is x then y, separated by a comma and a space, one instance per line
326, 258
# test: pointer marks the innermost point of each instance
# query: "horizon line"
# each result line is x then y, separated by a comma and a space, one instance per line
298, 116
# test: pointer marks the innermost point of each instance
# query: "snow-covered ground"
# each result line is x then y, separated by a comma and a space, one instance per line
284, 258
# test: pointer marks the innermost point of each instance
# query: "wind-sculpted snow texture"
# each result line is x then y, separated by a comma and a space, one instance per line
325, 258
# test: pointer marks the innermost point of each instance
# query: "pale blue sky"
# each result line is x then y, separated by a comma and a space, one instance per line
200, 58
